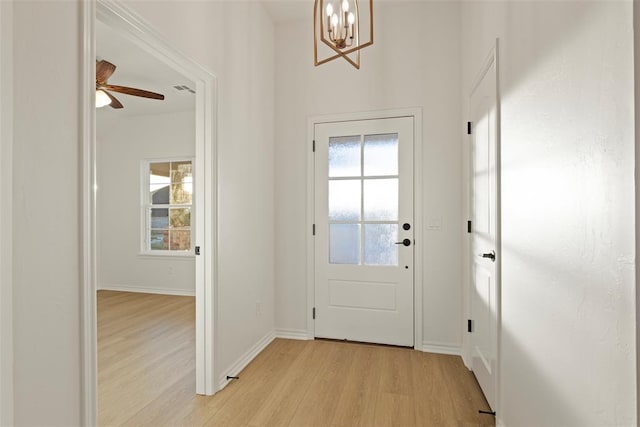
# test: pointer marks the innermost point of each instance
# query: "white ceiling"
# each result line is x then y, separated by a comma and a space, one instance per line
137, 68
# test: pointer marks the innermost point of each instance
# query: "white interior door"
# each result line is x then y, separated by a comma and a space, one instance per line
485, 233
364, 230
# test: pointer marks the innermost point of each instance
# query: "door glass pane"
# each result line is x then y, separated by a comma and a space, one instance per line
379, 244
381, 155
344, 156
381, 199
344, 200
344, 243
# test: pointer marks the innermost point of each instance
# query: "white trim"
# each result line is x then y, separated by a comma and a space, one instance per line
245, 359
119, 17
416, 114
88, 307
176, 256
292, 334
145, 290
6, 215
441, 348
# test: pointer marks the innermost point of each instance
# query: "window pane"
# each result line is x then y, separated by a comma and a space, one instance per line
180, 171
159, 194
381, 155
181, 193
379, 244
344, 200
381, 199
159, 218
180, 218
180, 240
344, 243
344, 156
159, 173
159, 240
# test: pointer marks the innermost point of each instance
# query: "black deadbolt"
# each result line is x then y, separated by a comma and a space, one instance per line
406, 226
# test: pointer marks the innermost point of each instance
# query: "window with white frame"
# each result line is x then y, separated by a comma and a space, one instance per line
167, 206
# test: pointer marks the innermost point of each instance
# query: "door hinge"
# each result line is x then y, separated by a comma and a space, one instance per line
469, 325
313, 313
469, 226
468, 128
313, 229
313, 146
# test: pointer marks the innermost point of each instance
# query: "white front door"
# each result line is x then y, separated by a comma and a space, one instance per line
485, 233
364, 230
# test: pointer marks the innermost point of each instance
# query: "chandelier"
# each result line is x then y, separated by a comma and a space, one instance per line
337, 25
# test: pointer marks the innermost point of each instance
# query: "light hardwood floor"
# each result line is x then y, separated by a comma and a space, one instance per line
146, 377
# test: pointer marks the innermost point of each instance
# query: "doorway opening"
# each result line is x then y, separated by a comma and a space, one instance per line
202, 238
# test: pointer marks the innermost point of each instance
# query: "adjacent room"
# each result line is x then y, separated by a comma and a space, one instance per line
318, 212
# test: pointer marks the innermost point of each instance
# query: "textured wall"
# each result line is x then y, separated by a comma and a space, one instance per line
46, 231
568, 332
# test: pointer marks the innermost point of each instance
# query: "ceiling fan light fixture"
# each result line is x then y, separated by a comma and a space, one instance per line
102, 99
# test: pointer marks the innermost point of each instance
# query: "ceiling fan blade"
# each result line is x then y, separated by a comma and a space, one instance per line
104, 70
133, 91
114, 101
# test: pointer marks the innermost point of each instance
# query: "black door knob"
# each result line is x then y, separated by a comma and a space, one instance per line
406, 226
405, 242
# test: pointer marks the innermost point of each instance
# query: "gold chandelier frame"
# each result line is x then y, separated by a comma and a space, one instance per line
318, 24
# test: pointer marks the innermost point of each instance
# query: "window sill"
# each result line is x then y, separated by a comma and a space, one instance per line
180, 256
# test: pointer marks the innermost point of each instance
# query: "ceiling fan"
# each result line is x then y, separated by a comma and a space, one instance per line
104, 70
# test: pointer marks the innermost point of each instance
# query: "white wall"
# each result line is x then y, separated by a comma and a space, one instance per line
234, 40
6, 143
123, 142
568, 338
415, 62
636, 56
46, 230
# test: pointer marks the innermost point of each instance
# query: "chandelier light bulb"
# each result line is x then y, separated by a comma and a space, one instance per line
334, 20
329, 9
345, 5
351, 18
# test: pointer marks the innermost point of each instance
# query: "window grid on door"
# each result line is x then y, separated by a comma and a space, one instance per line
363, 199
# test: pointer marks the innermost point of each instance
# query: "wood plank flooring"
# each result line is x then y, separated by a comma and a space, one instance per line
146, 377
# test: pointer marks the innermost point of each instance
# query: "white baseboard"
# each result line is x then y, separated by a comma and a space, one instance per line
293, 334
245, 359
145, 290
441, 348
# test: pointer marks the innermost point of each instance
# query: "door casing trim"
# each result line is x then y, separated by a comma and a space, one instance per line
117, 15
416, 114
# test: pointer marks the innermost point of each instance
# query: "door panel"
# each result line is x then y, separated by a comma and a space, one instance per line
363, 196
484, 246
